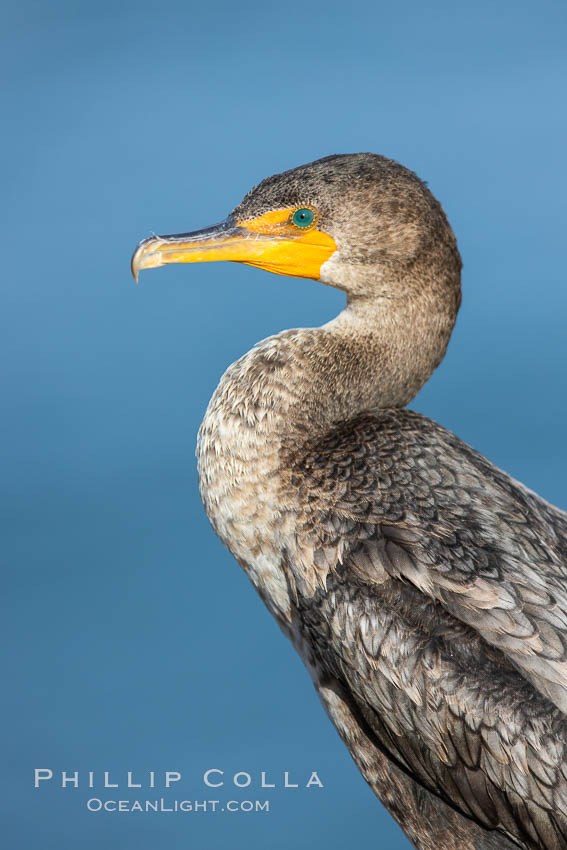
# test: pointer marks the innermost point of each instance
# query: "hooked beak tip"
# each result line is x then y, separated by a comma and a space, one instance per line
137, 262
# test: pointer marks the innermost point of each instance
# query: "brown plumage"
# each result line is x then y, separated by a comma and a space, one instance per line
424, 588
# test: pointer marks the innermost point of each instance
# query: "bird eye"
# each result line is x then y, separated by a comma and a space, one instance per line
303, 217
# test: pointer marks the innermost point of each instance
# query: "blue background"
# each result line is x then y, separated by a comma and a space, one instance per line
132, 640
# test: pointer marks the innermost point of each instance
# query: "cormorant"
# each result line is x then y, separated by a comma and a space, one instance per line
424, 588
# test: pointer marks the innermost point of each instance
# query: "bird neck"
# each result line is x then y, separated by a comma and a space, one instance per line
377, 353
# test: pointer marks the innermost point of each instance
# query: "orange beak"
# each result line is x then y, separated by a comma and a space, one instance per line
270, 242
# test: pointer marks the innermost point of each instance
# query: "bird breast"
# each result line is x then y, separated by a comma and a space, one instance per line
240, 469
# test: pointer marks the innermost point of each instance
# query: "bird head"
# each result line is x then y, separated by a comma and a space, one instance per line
358, 222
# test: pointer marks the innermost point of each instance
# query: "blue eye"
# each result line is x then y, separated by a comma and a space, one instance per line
303, 217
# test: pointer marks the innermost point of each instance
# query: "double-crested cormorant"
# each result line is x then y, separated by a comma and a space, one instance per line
425, 589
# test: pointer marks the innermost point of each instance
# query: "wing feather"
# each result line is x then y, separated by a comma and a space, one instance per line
424, 507
434, 587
